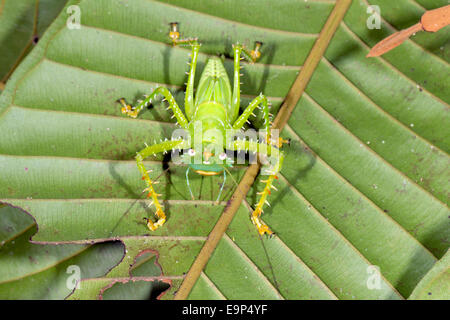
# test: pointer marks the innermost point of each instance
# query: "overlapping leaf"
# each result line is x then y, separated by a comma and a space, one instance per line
435, 285
38, 271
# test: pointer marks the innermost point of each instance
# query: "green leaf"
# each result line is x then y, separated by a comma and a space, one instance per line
38, 271
364, 182
22, 24
435, 285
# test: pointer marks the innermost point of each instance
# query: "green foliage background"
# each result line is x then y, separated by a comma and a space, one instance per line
365, 180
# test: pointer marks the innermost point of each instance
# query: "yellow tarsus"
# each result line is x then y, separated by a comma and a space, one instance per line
277, 143
161, 217
255, 53
282, 141
262, 227
174, 35
127, 109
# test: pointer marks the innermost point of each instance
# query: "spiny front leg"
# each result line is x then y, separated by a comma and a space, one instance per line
255, 54
174, 34
141, 155
133, 112
272, 175
277, 157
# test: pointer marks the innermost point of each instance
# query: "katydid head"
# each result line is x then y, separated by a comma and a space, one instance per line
207, 160
207, 138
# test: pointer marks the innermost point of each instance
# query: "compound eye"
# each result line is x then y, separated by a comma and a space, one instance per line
222, 156
191, 152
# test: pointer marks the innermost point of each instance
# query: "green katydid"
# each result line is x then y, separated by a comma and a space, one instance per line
215, 108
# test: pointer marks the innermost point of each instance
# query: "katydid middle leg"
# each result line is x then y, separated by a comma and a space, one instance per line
133, 112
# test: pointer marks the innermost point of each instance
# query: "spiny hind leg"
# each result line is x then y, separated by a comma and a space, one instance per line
140, 156
271, 173
256, 214
174, 34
